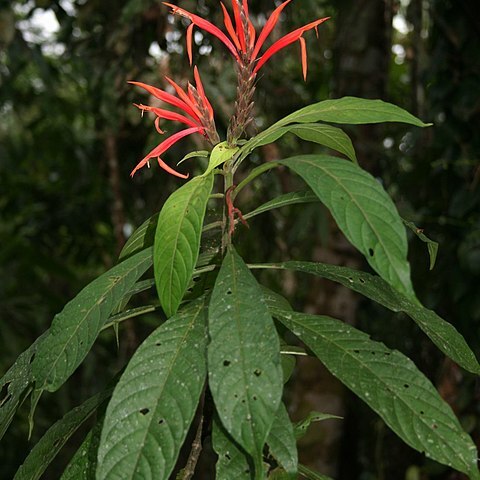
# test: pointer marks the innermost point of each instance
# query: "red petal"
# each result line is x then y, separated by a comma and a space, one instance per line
238, 25
268, 27
164, 146
167, 98
170, 170
157, 126
286, 40
201, 91
205, 25
185, 98
189, 42
303, 47
168, 115
229, 26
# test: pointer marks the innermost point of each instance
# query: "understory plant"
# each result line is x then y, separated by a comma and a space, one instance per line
213, 371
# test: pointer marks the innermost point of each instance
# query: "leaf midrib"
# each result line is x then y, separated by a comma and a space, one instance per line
379, 239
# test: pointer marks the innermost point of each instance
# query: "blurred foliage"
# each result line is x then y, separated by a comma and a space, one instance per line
63, 98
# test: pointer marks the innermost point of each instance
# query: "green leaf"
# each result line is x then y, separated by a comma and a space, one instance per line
309, 474
195, 154
432, 246
232, 462
76, 327
352, 110
302, 426
221, 153
292, 198
282, 444
155, 400
177, 240
390, 383
141, 238
347, 110
52, 442
83, 464
363, 211
443, 334
245, 375
16, 384
326, 135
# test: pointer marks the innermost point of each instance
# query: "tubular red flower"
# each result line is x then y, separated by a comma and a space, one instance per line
229, 26
169, 98
205, 25
162, 148
286, 40
168, 115
201, 91
185, 98
189, 42
268, 27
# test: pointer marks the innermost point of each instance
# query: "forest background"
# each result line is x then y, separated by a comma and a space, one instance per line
69, 137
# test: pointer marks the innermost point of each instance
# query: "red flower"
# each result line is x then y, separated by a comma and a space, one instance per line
198, 117
243, 30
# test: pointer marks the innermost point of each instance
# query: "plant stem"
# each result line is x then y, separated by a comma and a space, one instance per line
228, 182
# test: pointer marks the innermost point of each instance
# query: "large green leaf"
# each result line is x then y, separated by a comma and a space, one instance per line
15, 385
177, 240
390, 384
155, 400
443, 334
352, 110
245, 375
51, 443
232, 462
76, 327
282, 443
331, 137
363, 211
347, 110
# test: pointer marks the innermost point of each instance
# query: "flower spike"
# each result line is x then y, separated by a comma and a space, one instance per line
162, 148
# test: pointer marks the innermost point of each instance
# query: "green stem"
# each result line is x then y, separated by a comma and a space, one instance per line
228, 182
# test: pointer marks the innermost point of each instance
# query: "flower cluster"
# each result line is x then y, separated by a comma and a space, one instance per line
198, 117
245, 46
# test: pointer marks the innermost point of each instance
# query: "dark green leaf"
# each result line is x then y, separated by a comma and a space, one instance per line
326, 135
232, 462
282, 444
76, 327
243, 357
293, 198
442, 333
84, 463
432, 246
302, 426
363, 211
51, 443
351, 110
16, 384
177, 240
390, 384
141, 238
155, 400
